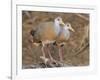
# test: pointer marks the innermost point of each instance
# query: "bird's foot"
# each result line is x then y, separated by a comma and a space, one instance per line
57, 63
61, 63
44, 59
53, 61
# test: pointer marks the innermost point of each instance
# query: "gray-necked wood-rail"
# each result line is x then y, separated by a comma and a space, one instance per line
47, 33
62, 38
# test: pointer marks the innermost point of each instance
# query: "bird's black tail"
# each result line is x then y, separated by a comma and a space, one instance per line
32, 32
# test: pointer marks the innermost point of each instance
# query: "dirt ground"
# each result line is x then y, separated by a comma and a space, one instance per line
76, 51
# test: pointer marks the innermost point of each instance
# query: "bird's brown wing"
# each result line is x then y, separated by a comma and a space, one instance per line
46, 32
61, 38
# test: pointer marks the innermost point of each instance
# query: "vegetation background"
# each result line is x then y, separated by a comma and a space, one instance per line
76, 51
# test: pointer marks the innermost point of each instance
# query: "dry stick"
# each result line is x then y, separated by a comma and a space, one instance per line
83, 17
84, 41
45, 60
30, 51
82, 49
32, 19
27, 14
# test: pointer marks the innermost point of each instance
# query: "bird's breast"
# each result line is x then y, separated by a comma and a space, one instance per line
63, 36
49, 34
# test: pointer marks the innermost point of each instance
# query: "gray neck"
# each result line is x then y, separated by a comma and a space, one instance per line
57, 28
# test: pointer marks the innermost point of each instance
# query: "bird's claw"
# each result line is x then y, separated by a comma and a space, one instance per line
53, 61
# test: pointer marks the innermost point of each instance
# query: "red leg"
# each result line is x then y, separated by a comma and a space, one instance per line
43, 51
61, 51
51, 58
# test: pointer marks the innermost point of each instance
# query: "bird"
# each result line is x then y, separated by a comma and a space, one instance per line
46, 33
62, 38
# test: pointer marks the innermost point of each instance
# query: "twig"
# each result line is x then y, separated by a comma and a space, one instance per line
81, 16
30, 20
82, 49
27, 14
84, 40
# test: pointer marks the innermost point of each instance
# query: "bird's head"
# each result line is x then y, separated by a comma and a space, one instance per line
59, 21
69, 27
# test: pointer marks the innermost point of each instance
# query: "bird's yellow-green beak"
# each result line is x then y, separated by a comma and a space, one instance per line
72, 29
62, 23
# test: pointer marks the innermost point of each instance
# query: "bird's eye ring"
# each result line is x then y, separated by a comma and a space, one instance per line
68, 25
58, 19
